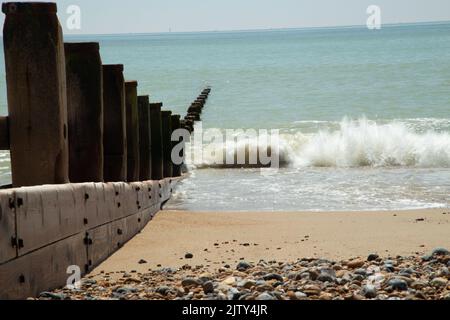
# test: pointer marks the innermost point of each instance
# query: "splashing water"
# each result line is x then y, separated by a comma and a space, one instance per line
356, 143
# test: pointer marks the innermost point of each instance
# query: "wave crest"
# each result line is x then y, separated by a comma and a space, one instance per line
356, 143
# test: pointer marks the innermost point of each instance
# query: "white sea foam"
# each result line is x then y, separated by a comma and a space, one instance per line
356, 143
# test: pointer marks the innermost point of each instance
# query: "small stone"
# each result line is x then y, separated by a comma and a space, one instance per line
326, 296
444, 272
427, 257
417, 285
389, 267
372, 257
354, 264
142, 261
438, 282
188, 256
233, 294
163, 290
311, 290
52, 296
247, 284
369, 291
208, 287
125, 290
190, 282
313, 274
326, 277
361, 272
440, 252
243, 266
341, 273
398, 284
265, 297
300, 295
291, 295
230, 281
273, 276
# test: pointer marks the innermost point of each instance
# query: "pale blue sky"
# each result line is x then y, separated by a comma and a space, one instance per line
144, 16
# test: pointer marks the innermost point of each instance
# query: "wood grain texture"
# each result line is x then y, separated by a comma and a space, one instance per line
7, 226
42, 270
37, 103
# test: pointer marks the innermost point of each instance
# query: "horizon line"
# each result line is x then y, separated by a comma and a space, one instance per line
393, 24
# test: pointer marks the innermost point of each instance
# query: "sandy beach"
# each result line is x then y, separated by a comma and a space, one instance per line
278, 256
216, 239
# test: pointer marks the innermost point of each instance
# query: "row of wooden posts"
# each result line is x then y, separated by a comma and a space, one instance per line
73, 119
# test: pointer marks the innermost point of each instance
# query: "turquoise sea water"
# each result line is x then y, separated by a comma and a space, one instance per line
392, 86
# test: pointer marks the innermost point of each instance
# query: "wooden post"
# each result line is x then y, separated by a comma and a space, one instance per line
85, 111
4, 133
166, 125
175, 126
132, 112
145, 159
195, 109
114, 124
189, 124
156, 141
36, 86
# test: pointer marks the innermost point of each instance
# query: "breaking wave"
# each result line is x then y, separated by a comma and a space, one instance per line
355, 143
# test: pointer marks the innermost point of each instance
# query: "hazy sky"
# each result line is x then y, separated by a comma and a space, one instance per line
142, 16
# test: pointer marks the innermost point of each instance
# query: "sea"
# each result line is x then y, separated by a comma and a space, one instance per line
363, 115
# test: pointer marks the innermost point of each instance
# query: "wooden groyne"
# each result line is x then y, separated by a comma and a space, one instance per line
90, 158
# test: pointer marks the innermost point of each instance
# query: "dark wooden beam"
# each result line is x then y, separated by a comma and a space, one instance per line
4, 133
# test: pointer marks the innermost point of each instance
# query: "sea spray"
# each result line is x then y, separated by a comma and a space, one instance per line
354, 143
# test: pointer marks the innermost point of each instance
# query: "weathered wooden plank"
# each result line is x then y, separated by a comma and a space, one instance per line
166, 125
45, 214
7, 226
114, 120
145, 159
132, 114
133, 225
126, 200
42, 270
100, 245
4, 133
36, 88
85, 111
156, 141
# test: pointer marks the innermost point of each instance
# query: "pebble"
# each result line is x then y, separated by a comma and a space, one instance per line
398, 284
230, 281
357, 263
52, 296
440, 252
399, 278
273, 276
247, 284
190, 282
188, 256
326, 277
372, 257
208, 287
439, 282
163, 290
369, 291
361, 272
300, 295
243, 266
265, 297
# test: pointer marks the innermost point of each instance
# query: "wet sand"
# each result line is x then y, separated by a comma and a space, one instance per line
216, 239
